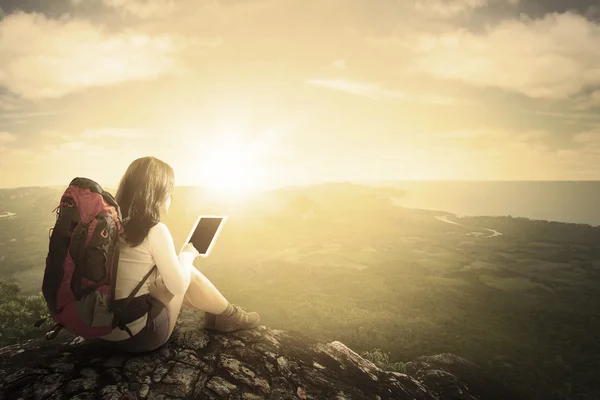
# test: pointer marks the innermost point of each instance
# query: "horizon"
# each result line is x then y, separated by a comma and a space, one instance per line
356, 182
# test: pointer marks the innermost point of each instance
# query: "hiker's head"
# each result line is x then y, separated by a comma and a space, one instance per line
144, 194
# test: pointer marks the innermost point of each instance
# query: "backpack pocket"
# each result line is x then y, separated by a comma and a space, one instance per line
67, 219
94, 259
99, 250
93, 309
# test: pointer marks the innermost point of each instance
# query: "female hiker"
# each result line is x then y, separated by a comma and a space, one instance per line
144, 196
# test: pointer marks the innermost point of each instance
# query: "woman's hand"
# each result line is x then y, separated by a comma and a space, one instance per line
189, 248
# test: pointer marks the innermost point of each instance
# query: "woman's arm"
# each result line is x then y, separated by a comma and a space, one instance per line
175, 271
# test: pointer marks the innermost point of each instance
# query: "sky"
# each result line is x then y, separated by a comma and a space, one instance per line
262, 93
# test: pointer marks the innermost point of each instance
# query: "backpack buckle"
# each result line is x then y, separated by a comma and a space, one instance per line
51, 334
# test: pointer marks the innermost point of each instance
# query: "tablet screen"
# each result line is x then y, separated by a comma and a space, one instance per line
205, 233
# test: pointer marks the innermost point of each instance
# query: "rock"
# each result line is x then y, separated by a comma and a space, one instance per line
250, 365
441, 374
301, 393
221, 386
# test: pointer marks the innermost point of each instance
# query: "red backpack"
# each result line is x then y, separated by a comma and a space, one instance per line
81, 266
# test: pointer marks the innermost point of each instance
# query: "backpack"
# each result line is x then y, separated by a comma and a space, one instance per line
82, 262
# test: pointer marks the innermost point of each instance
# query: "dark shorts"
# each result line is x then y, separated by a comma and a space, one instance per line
152, 336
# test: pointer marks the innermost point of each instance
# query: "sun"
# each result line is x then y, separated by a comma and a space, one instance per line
233, 170
230, 160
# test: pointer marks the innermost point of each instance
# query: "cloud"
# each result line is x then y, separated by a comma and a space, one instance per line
588, 101
449, 8
101, 141
73, 149
67, 55
51, 156
6, 137
15, 159
376, 92
138, 8
339, 64
55, 135
9, 103
552, 57
22, 115
71, 146
100, 134
97, 141
501, 154
368, 89
491, 139
118, 133
566, 115
453, 8
141, 8
588, 139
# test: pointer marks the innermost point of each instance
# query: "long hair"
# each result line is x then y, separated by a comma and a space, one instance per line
144, 187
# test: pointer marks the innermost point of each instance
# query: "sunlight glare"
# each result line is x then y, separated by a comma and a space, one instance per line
233, 171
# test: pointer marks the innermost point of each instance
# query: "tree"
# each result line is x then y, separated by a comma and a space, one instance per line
19, 313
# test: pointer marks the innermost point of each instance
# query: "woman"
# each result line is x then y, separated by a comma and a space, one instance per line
144, 195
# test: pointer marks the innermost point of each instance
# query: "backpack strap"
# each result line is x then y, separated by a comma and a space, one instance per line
139, 286
123, 315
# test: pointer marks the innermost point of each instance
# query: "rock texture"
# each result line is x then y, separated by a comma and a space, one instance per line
440, 374
258, 364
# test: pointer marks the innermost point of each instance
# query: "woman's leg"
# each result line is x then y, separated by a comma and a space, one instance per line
220, 315
202, 295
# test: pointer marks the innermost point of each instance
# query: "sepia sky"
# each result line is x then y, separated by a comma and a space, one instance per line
283, 92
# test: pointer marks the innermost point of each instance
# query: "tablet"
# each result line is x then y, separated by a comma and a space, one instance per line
204, 233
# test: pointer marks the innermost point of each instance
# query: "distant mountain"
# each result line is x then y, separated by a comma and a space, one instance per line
573, 202
563, 201
29, 199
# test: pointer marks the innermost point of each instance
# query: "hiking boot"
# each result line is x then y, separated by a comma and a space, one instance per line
237, 319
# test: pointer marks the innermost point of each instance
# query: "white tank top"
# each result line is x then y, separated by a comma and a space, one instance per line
135, 262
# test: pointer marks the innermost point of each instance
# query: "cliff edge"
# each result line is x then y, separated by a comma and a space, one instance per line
259, 364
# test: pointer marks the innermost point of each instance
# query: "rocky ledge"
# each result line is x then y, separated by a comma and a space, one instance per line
258, 364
